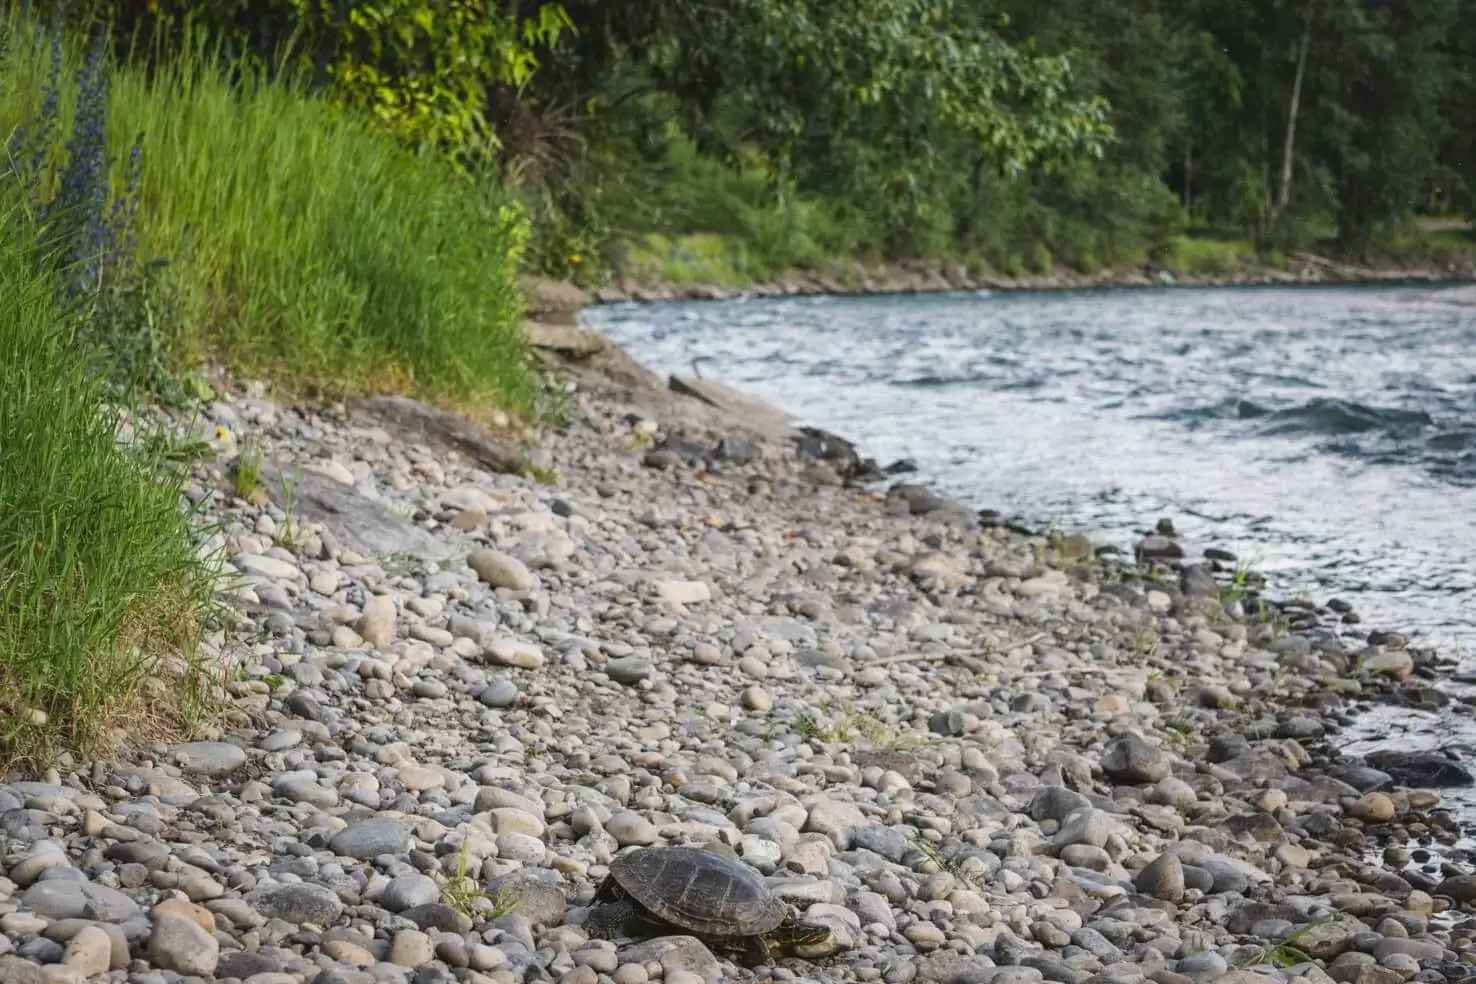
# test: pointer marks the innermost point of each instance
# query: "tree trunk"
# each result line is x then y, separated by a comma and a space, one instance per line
1188, 176
1283, 196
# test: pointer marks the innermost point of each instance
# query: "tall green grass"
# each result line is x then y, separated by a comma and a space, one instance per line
305, 244
1204, 256
101, 589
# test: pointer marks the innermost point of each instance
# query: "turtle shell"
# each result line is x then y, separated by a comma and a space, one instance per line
699, 891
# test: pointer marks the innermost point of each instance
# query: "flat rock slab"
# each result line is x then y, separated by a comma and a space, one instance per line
359, 523
554, 301
748, 410
570, 341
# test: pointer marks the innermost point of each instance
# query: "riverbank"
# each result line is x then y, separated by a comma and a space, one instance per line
1299, 268
970, 753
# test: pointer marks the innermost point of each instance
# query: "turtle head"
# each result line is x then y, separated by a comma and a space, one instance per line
792, 934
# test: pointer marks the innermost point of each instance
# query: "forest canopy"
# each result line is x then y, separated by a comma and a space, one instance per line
1015, 132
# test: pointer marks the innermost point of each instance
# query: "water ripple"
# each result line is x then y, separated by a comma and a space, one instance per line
1326, 434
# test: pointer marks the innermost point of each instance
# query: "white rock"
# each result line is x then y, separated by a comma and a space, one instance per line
377, 626
268, 567
502, 570
514, 652
684, 592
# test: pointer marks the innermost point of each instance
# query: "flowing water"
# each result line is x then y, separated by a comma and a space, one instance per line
1327, 436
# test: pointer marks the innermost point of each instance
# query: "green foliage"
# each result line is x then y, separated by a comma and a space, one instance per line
425, 67
100, 587
307, 245
1190, 256
747, 233
871, 114
904, 145
732, 139
462, 892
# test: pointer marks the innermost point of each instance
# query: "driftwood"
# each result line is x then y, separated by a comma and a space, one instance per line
415, 421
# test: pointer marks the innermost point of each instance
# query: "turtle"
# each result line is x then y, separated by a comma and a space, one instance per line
722, 902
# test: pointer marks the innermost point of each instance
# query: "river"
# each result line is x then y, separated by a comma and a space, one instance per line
1325, 435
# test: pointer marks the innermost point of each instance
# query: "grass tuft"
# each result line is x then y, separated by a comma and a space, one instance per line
462, 892
102, 595
246, 475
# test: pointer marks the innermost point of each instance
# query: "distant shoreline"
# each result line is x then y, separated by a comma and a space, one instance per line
1302, 269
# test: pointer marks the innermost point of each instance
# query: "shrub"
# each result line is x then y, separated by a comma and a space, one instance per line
1188, 256
305, 243
424, 69
100, 587
83, 234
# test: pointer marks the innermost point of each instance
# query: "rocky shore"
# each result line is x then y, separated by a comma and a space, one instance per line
974, 754
932, 277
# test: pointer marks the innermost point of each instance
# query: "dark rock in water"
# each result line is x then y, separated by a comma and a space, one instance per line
990, 518
920, 500
866, 472
1339, 605
1165, 527
1427, 770
1389, 639
812, 442
902, 466
1158, 547
1424, 698
839, 453
1364, 778
1222, 556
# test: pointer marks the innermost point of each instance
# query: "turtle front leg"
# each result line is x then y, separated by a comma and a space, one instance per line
753, 951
